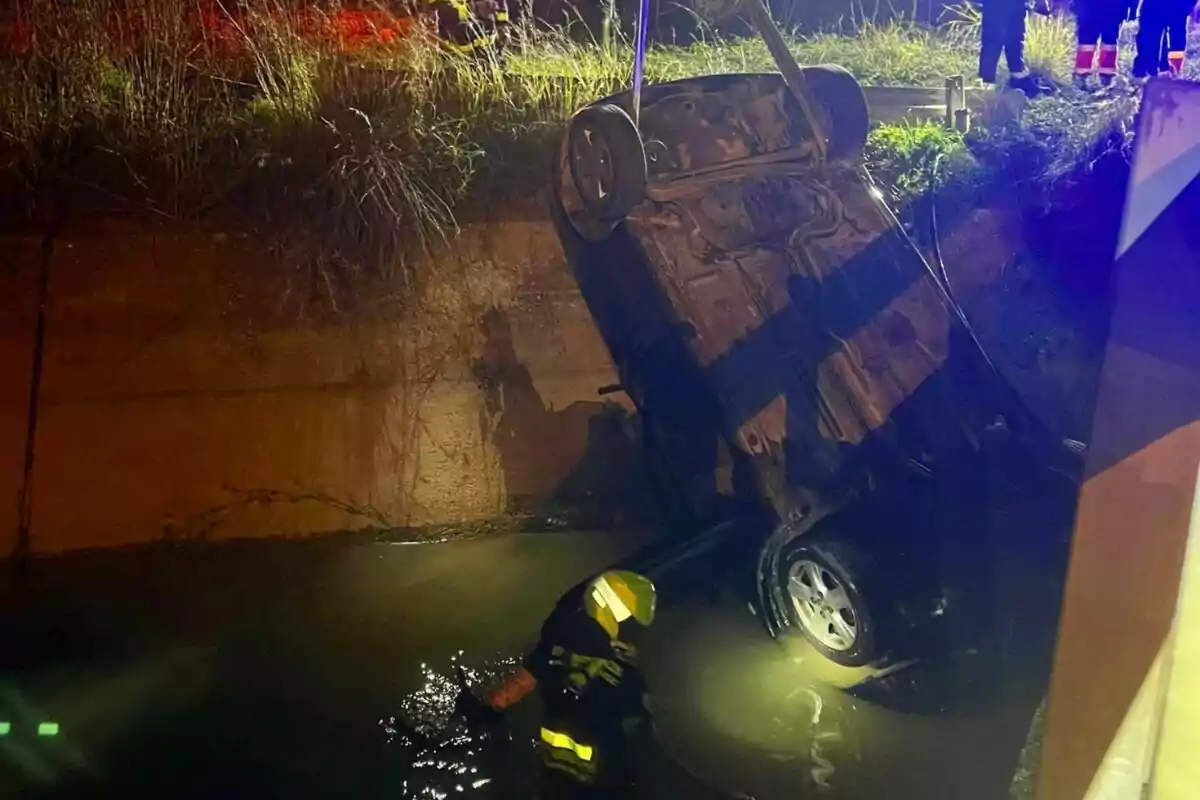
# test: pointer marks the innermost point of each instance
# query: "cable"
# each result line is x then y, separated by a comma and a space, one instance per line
935, 244
935, 237
958, 309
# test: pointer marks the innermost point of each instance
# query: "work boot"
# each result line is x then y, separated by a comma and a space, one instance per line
1140, 72
1175, 60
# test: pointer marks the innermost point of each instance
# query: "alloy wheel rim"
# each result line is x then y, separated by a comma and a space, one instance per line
823, 605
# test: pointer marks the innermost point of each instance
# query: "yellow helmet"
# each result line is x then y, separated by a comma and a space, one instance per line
618, 595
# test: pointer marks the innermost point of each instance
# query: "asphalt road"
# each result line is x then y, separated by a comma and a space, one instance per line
265, 671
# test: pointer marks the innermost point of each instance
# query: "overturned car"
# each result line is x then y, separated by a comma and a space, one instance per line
797, 365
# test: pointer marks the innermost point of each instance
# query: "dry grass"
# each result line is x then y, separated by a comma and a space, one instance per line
369, 156
900, 55
1049, 41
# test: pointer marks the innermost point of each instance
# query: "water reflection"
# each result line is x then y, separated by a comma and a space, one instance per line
441, 752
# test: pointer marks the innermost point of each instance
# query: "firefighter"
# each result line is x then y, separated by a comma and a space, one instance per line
502, 23
1003, 33
1098, 20
583, 667
472, 27
1161, 37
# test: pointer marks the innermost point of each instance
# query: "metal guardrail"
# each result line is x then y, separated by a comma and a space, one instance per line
917, 104
885, 103
893, 103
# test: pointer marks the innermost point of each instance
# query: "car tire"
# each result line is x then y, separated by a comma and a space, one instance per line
607, 161
843, 109
821, 582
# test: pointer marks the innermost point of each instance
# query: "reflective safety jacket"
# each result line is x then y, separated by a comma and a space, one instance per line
470, 26
590, 687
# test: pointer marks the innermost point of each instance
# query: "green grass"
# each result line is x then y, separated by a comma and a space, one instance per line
899, 55
366, 159
908, 158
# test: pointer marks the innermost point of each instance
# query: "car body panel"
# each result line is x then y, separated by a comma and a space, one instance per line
805, 311
771, 319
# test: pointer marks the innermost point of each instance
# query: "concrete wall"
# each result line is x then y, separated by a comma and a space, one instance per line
18, 259
199, 385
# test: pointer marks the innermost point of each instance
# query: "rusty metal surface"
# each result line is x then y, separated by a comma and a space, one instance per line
703, 123
704, 126
733, 257
810, 315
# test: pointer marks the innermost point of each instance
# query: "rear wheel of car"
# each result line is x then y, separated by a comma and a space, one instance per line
843, 109
822, 582
607, 161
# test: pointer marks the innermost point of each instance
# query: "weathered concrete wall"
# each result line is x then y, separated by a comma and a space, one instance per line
18, 268
197, 385
1044, 336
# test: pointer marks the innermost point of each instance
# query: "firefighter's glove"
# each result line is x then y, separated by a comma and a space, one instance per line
625, 652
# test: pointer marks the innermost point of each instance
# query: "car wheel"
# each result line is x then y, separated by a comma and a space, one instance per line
821, 583
607, 161
843, 109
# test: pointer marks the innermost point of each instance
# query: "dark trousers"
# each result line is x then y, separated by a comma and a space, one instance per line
1162, 27
1003, 33
1100, 19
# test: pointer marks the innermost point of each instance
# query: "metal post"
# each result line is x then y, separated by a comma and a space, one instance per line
955, 101
639, 58
791, 71
608, 27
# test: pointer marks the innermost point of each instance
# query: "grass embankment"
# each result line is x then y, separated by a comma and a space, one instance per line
373, 153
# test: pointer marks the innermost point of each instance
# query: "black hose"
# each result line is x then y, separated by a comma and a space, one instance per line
944, 274
935, 245
935, 236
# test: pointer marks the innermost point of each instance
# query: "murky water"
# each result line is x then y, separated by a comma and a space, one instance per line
329, 672
769, 721
442, 752
737, 715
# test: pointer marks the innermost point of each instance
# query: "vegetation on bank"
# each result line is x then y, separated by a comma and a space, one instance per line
374, 153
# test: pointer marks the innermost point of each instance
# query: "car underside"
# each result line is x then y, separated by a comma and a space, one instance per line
794, 359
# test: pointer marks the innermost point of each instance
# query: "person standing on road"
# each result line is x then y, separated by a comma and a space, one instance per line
594, 695
1002, 32
1098, 20
1162, 37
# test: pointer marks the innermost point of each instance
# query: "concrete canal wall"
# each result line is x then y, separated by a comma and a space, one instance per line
199, 385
